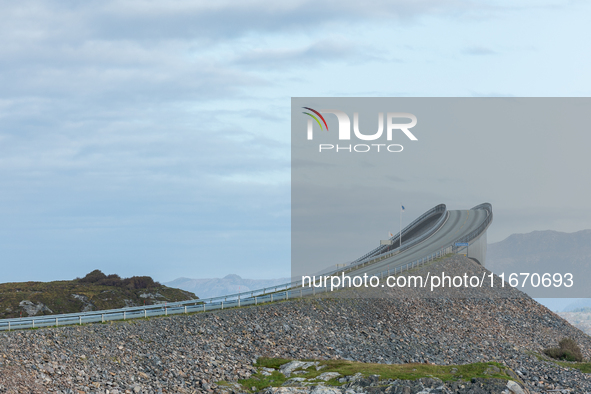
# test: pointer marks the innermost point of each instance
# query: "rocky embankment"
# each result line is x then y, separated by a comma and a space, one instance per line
186, 354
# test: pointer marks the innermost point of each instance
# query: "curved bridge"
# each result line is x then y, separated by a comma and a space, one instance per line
458, 226
434, 234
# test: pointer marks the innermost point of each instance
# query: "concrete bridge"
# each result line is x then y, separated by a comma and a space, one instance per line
432, 235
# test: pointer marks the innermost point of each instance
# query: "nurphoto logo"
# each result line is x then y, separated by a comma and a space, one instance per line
344, 132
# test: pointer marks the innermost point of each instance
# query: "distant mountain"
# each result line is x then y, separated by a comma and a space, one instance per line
540, 248
547, 252
579, 305
230, 284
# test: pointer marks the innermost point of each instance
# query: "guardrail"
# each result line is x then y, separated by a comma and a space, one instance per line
196, 305
270, 294
441, 208
480, 229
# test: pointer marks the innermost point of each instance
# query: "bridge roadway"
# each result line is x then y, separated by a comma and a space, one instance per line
459, 223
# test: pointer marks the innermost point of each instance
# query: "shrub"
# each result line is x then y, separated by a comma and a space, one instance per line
135, 282
139, 282
567, 350
110, 280
93, 277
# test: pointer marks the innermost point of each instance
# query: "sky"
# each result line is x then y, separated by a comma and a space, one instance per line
528, 157
153, 138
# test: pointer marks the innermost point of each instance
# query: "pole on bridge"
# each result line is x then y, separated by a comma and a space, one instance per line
400, 234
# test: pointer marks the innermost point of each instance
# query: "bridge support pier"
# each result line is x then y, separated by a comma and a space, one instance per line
477, 249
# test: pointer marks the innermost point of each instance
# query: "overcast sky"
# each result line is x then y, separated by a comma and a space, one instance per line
153, 138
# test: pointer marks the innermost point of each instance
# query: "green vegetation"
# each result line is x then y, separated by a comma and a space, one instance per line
393, 371
567, 350
135, 282
95, 291
584, 367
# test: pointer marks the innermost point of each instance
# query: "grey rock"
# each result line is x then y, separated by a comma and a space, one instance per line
294, 382
514, 387
288, 368
32, 309
326, 376
286, 390
325, 390
267, 371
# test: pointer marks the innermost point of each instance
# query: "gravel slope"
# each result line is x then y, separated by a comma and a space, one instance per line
188, 354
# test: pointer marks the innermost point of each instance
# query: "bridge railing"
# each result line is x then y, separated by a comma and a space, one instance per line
268, 294
481, 228
206, 305
441, 208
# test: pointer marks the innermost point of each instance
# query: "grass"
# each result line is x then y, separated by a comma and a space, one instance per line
58, 296
393, 371
584, 367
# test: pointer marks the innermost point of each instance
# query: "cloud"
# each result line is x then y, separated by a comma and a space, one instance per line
202, 20
478, 51
158, 121
324, 50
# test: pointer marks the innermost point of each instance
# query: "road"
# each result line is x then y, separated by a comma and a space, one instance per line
459, 223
